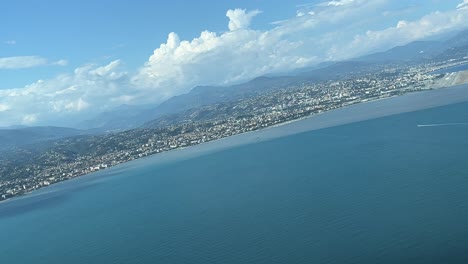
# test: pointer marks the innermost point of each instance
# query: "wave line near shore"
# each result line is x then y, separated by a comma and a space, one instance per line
442, 124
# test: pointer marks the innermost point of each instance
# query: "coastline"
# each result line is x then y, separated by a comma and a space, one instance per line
356, 112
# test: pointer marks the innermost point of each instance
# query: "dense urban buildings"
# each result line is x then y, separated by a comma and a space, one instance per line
28, 169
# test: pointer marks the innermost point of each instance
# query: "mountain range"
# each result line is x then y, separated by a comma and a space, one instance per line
414, 52
420, 51
128, 116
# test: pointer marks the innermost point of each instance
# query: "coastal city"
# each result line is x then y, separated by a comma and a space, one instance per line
252, 132
76, 156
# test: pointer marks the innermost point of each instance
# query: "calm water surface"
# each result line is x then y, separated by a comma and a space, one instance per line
377, 191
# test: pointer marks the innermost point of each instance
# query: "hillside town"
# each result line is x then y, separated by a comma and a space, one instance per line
76, 156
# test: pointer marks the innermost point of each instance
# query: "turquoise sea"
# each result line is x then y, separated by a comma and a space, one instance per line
375, 191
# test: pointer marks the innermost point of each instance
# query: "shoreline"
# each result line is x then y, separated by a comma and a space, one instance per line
351, 113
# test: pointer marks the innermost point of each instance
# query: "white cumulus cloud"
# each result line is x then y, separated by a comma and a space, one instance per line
243, 53
61, 99
176, 66
240, 18
332, 30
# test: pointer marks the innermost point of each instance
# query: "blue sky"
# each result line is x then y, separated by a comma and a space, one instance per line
64, 60
87, 31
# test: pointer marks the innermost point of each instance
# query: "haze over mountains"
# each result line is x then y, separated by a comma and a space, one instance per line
21, 136
414, 52
419, 51
129, 116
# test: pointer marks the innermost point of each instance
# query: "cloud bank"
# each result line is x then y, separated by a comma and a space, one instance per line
65, 98
333, 30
